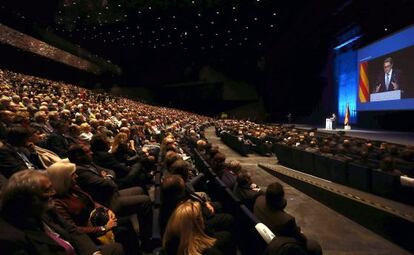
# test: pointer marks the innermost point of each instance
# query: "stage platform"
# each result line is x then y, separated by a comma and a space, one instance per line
405, 138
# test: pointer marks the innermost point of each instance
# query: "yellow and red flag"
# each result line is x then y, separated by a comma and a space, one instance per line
363, 90
347, 115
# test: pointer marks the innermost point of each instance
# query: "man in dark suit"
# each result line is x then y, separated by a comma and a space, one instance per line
269, 209
29, 224
99, 183
390, 80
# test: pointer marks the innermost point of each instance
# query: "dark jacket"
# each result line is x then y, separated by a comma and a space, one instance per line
91, 181
246, 194
10, 161
277, 220
33, 240
76, 207
108, 160
58, 144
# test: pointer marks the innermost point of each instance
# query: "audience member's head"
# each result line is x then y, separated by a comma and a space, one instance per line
79, 154
18, 136
275, 196
181, 168
185, 231
99, 143
61, 174
26, 196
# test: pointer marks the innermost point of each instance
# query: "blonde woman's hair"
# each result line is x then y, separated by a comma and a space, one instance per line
60, 174
118, 139
186, 227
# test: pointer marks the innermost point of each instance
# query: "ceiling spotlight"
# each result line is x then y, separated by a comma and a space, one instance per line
217, 12
235, 20
255, 19
385, 29
234, 8
272, 25
274, 14
149, 7
212, 22
199, 14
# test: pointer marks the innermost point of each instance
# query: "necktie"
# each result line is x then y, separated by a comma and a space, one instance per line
388, 80
69, 250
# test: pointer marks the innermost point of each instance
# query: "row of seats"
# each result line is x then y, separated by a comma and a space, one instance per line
344, 171
249, 240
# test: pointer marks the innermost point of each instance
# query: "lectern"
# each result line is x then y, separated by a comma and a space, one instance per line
385, 96
328, 125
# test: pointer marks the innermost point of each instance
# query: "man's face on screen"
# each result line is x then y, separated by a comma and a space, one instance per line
387, 67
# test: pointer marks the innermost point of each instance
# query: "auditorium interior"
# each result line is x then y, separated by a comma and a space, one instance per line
189, 127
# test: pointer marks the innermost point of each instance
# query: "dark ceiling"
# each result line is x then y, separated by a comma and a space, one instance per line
270, 44
109, 28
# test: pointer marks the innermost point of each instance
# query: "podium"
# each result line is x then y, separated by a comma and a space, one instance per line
385, 96
328, 124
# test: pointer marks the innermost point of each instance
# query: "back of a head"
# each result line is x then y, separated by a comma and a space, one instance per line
281, 245
275, 195
172, 188
184, 233
77, 155
181, 168
243, 179
18, 136
99, 143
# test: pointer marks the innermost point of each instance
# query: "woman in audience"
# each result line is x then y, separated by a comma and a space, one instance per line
76, 207
122, 150
185, 233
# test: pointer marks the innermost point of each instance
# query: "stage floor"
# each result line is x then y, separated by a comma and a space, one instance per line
405, 138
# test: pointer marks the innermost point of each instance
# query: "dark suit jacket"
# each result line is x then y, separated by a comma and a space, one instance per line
246, 195
10, 161
396, 77
278, 221
107, 160
58, 144
91, 181
34, 241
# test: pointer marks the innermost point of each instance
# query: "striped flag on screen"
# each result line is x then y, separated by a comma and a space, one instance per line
363, 91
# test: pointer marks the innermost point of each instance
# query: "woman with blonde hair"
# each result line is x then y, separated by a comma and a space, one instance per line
79, 209
123, 150
185, 233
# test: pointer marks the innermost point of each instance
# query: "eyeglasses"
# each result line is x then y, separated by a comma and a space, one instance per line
46, 194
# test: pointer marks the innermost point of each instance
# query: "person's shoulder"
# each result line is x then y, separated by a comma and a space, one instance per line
9, 232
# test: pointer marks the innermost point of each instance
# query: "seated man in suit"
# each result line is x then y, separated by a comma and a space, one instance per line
29, 225
99, 183
269, 209
390, 80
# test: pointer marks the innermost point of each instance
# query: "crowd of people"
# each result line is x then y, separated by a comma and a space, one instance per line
387, 157
77, 168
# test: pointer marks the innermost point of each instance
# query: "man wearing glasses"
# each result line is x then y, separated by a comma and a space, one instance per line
391, 80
